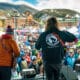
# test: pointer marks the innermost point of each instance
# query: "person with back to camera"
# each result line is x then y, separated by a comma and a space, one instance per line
8, 48
52, 44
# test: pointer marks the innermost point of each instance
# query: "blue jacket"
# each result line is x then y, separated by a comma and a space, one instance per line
70, 61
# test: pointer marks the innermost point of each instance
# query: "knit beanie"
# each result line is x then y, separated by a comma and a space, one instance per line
9, 30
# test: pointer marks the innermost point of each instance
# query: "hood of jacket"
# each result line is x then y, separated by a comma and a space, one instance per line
6, 36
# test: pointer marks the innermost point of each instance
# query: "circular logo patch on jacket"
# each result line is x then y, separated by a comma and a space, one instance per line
51, 40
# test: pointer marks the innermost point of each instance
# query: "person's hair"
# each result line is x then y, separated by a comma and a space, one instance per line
51, 24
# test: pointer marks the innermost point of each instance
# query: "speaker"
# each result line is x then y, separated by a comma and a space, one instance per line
68, 73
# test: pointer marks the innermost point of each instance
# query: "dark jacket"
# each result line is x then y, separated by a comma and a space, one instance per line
52, 49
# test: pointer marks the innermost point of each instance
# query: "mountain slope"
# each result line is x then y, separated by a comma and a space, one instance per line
56, 13
19, 8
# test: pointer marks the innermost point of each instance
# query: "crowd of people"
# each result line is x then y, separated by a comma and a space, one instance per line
36, 52
29, 57
32, 58
72, 57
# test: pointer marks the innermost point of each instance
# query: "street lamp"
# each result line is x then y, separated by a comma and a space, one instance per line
15, 14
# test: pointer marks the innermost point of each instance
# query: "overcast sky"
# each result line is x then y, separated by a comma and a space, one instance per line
52, 4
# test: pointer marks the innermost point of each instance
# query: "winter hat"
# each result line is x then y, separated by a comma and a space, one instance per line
9, 30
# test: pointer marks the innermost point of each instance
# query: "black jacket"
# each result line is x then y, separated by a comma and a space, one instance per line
52, 49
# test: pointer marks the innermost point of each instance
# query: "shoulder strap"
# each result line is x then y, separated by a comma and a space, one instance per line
60, 40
